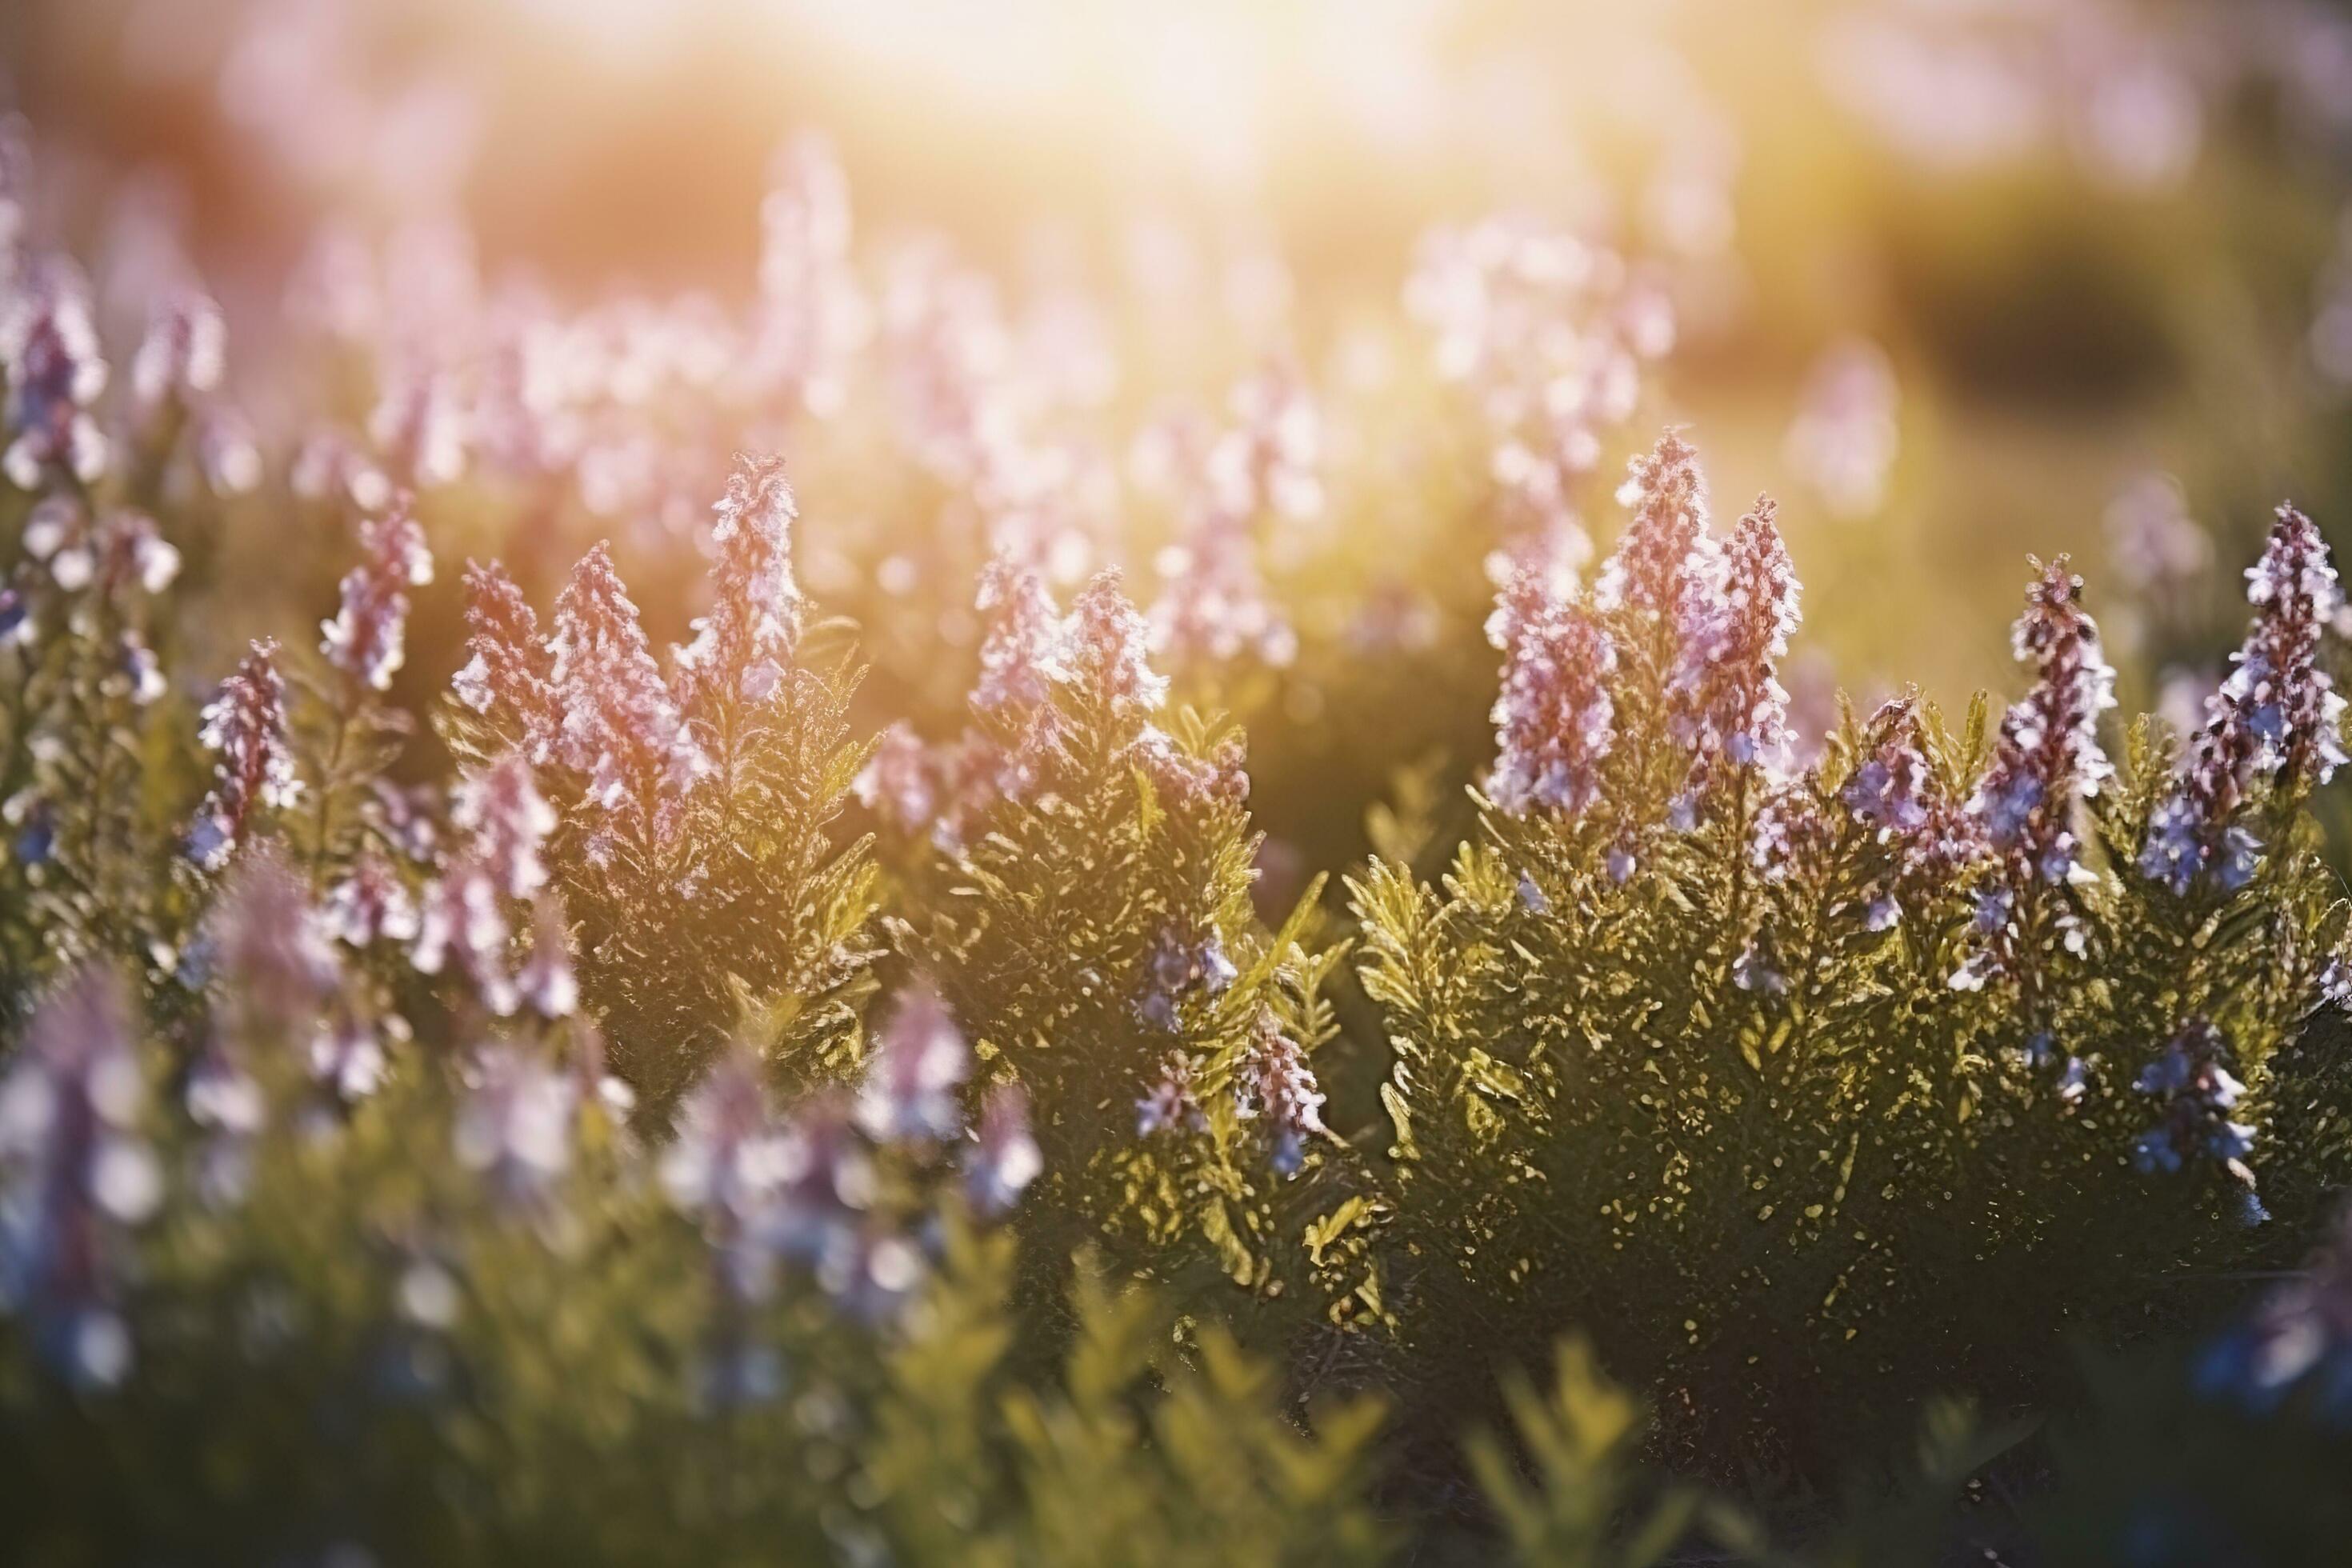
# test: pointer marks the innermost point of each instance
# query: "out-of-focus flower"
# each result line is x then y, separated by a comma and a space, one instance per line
274, 964
501, 807
245, 728
1167, 1103
2298, 1340
367, 638
2157, 547
77, 1175
1843, 439
370, 904
181, 359
1549, 332
547, 982
49, 348
514, 1126
921, 1061
812, 317
1004, 1157
462, 928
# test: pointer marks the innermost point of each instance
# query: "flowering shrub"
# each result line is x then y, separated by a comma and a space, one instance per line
561, 1129
1744, 1064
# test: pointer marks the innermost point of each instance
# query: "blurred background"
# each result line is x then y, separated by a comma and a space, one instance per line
1242, 296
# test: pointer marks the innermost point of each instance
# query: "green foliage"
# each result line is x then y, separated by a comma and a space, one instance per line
1095, 935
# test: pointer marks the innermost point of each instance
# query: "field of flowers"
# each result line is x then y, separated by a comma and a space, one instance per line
1044, 785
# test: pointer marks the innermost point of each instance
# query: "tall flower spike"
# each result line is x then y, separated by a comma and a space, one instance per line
746, 641
245, 728
1667, 545
75, 1175
2048, 755
1106, 649
506, 674
919, 1064
367, 638
620, 726
1020, 664
1554, 719
1724, 701
2277, 718
500, 806
812, 316
49, 348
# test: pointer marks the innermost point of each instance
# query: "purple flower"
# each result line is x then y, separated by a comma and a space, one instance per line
2298, 1339
1106, 651
76, 1176
1554, 719
366, 638
245, 728
49, 348
744, 646
621, 727
2195, 1091
2277, 720
1175, 966
1723, 703
514, 1127
507, 676
501, 806
921, 1061
2048, 755
1667, 554
1277, 1088
1005, 1158
1167, 1103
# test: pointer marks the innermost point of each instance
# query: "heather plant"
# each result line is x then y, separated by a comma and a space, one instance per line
1743, 1065
693, 809
1089, 919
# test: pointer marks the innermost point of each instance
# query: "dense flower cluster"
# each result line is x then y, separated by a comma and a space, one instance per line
367, 638
1553, 719
245, 728
620, 725
2046, 761
1727, 708
2195, 1091
2276, 722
